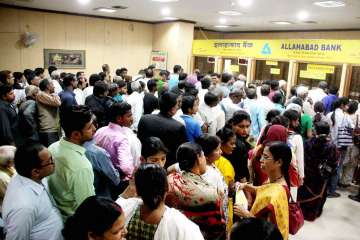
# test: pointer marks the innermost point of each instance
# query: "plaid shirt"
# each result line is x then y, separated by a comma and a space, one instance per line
139, 230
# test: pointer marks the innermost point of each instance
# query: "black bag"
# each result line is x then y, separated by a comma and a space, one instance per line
326, 170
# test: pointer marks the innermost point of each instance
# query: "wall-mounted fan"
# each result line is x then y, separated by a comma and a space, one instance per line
29, 38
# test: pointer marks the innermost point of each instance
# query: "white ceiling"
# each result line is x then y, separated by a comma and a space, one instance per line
257, 17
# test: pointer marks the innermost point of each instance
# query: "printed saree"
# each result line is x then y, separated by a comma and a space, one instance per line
271, 203
199, 201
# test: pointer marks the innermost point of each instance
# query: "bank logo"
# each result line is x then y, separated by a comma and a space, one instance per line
266, 50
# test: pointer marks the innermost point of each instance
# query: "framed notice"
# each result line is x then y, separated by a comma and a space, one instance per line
62, 58
159, 59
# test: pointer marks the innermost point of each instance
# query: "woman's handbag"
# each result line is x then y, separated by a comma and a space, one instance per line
296, 217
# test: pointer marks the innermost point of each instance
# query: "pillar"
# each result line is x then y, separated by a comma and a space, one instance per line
344, 82
292, 75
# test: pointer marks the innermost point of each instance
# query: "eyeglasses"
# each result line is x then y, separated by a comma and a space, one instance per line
51, 162
266, 158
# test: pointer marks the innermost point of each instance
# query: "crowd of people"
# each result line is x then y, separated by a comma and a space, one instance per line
163, 155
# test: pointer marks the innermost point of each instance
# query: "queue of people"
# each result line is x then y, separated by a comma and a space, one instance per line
169, 155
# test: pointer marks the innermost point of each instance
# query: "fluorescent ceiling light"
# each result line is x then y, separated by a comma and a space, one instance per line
230, 13
222, 20
165, 11
164, 1
221, 26
303, 15
245, 3
83, 2
281, 22
330, 4
106, 10
170, 18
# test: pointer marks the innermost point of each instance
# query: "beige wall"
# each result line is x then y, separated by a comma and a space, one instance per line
176, 38
347, 35
118, 43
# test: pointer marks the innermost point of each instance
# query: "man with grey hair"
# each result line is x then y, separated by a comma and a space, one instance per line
302, 92
7, 170
282, 90
318, 93
55, 77
135, 99
230, 104
28, 117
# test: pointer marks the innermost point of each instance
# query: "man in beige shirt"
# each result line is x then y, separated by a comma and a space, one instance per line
48, 104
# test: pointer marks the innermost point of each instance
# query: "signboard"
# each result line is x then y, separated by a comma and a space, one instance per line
275, 71
159, 59
272, 63
321, 68
319, 50
313, 75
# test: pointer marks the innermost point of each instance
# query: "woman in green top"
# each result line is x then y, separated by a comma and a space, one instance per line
145, 221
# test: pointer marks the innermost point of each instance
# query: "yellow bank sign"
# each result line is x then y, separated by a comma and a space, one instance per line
334, 51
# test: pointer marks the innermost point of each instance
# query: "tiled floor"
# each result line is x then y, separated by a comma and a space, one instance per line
340, 221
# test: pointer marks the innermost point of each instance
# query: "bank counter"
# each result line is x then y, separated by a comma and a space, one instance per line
298, 61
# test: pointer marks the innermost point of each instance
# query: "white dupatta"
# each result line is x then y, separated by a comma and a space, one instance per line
173, 226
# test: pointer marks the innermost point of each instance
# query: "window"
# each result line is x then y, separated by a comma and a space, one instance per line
310, 74
354, 92
232, 65
271, 70
203, 65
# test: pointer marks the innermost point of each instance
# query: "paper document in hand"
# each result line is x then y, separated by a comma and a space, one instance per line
240, 199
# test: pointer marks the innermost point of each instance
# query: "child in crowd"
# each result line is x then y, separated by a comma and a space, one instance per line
189, 107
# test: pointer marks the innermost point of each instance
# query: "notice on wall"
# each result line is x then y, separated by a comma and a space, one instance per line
234, 68
307, 50
316, 75
321, 68
159, 59
272, 63
275, 71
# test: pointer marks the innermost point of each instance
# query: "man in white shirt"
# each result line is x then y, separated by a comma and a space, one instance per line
230, 104
317, 94
55, 76
92, 80
135, 99
264, 102
302, 92
29, 211
211, 113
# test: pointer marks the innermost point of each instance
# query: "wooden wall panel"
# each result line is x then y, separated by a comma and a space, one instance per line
118, 43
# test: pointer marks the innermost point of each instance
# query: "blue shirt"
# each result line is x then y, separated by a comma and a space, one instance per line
106, 177
256, 115
192, 128
68, 99
174, 80
29, 211
328, 101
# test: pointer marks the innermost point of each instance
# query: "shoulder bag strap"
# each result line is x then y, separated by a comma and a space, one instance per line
315, 196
